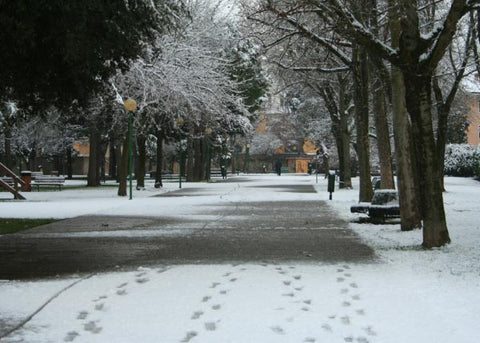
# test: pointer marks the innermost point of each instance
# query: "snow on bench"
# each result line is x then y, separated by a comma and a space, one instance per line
48, 181
384, 205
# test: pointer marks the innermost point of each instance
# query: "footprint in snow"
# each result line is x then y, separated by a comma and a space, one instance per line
369, 331
99, 307
215, 284
277, 330
142, 280
288, 295
360, 312
92, 327
121, 291
189, 336
345, 320
197, 315
327, 327
210, 326
206, 299
71, 336
82, 315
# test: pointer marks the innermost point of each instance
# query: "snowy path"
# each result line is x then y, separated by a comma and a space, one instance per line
227, 223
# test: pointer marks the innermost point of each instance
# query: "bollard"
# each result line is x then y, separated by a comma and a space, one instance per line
331, 184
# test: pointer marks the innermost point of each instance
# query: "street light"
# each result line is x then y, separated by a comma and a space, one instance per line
180, 122
131, 106
208, 132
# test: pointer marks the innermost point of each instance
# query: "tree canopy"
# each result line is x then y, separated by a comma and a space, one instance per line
56, 52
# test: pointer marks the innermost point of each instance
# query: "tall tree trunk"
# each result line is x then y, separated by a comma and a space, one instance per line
190, 156
112, 166
199, 160
159, 168
123, 169
362, 122
383, 134
344, 135
69, 163
93, 178
379, 92
418, 100
406, 179
404, 152
142, 156
101, 158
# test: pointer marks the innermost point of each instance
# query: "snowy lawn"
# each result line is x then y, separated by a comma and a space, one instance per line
411, 295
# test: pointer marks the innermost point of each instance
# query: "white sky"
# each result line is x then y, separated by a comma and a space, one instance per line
411, 295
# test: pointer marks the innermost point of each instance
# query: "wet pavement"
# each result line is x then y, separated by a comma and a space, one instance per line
236, 232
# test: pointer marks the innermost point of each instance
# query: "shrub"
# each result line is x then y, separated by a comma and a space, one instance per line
462, 160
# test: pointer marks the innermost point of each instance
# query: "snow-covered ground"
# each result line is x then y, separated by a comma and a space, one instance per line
410, 295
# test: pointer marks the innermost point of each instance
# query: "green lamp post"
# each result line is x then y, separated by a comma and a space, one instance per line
130, 106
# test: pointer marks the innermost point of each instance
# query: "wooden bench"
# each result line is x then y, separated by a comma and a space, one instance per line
384, 205
48, 181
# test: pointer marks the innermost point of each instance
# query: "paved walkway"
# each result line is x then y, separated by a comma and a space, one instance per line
232, 232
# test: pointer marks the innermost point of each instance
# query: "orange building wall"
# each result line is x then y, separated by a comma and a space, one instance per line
473, 120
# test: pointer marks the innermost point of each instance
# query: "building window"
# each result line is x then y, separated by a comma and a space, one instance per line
478, 131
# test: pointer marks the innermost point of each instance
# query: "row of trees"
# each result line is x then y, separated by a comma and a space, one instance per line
186, 63
379, 57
